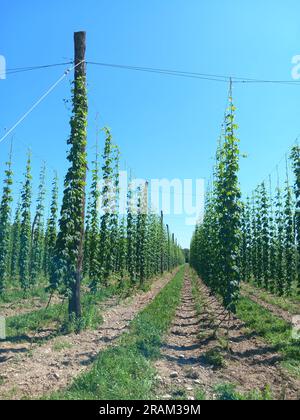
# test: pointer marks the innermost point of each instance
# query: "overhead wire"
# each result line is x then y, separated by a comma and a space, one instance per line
163, 71
32, 68
25, 115
194, 75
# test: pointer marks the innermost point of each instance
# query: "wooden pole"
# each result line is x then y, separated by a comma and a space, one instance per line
79, 54
173, 243
162, 243
79, 76
169, 249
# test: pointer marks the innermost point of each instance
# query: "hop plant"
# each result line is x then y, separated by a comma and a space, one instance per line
5, 212
25, 229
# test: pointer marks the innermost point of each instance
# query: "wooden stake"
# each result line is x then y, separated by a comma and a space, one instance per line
79, 74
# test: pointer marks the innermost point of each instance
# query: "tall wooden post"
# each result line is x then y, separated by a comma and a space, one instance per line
169, 249
173, 257
79, 76
162, 242
79, 55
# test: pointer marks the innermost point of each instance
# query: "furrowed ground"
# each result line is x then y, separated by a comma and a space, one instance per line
56, 359
126, 371
257, 360
283, 307
174, 341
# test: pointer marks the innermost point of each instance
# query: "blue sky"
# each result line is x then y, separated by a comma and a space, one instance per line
165, 126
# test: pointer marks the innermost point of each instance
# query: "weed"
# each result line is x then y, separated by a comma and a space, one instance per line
215, 358
61, 345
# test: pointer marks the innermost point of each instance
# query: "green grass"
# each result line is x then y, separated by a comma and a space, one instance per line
125, 372
19, 326
56, 317
228, 392
17, 296
215, 358
289, 304
61, 345
200, 395
273, 330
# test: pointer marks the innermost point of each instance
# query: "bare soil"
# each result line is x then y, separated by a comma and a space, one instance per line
249, 363
54, 365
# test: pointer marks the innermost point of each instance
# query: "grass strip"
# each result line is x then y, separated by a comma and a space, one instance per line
17, 296
291, 305
273, 330
20, 326
124, 372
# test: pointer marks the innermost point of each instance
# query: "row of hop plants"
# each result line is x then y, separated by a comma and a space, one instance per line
215, 245
136, 246
26, 242
271, 234
81, 239
125, 249
256, 240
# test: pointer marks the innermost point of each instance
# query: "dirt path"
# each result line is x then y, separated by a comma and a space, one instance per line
179, 367
187, 363
55, 364
274, 309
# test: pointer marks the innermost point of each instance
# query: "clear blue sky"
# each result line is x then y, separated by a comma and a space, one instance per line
165, 127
